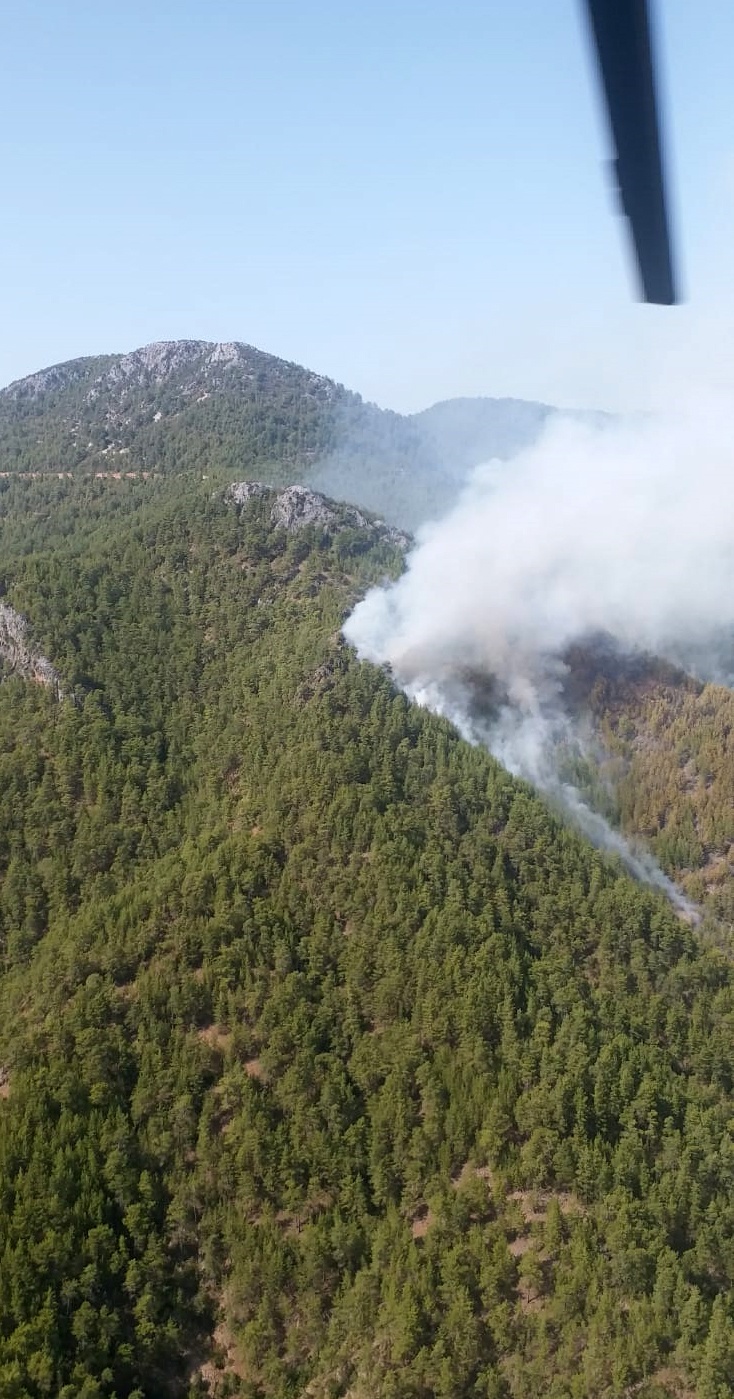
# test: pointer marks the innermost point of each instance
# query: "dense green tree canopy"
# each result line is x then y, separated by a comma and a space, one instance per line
333, 1063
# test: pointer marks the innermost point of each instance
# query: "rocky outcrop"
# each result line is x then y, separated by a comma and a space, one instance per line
152, 364
193, 366
240, 492
20, 656
47, 381
296, 506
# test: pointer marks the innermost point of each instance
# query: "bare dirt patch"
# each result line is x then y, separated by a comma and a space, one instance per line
216, 1037
421, 1224
534, 1203
229, 1360
670, 1379
468, 1172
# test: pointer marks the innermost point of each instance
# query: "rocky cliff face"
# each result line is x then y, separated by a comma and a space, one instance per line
19, 654
297, 506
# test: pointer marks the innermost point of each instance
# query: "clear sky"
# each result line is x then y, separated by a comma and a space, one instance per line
408, 197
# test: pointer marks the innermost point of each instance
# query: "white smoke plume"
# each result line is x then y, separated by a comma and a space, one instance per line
624, 530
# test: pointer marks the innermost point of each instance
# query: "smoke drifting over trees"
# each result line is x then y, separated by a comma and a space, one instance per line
618, 531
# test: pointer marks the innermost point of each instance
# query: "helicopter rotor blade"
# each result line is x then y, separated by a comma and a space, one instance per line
622, 40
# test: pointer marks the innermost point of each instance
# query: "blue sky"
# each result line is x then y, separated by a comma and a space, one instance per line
408, 197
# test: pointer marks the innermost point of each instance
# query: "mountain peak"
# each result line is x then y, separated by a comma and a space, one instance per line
198, 406
150, 366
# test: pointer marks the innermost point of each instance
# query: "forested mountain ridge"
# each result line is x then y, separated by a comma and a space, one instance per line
332, 1063
137, 411
192, 406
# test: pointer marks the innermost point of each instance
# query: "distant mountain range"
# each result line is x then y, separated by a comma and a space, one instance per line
190, 405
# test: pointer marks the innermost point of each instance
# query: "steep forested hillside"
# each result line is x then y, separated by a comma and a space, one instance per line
331, 1062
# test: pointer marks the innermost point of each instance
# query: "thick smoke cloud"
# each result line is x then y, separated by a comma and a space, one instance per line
624, 531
